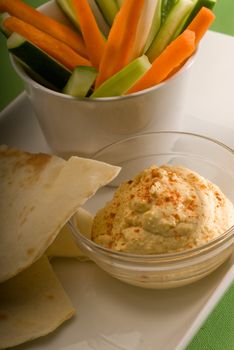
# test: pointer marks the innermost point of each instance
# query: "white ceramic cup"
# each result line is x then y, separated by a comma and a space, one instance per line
82, 126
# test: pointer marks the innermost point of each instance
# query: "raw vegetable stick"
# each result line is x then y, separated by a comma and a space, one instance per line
175, 53
119, 46
53, 47
94, 40
201, 23
19, 9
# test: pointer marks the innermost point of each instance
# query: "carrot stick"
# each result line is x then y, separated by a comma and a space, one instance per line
119, 47
94, 40
53, 47
175, 53
201, 23
45, 23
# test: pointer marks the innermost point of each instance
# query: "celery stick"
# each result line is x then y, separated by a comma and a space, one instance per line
166, 33
144, 26
66, 7
156, 22
122, 81
80, 81
109, 9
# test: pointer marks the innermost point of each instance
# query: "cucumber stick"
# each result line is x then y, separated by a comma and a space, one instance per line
122, 81
199, 4
80, 82
108, 8
166, 8
172, 23
38, 61
67, 8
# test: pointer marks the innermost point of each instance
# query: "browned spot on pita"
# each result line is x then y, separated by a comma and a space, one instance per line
50, 296
8, 152
23, 212
36, 161
23, 215
23, 220
30, 251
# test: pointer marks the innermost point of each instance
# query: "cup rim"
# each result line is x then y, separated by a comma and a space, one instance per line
26, 78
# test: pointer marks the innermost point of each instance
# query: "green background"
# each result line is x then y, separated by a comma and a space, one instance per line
11, 86
218, 331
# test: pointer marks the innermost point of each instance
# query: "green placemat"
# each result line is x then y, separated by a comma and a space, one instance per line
218, 331
10, 83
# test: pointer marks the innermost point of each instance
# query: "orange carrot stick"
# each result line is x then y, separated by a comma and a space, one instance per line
175, 53
19, 9
94, 40
53, 47
119, 47
201, 23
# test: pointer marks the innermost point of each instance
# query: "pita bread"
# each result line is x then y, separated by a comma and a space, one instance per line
38, 195
64, 245
32, 304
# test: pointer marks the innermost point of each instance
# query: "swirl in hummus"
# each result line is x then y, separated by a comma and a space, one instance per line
162, 210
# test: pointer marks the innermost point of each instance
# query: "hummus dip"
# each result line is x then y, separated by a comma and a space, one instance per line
163, 210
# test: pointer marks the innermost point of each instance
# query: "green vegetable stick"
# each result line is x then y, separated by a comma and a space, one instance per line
67, 8
155, 25
166, 7
109, 9
38, 61
122, 81
200, 3
166, 33
81, 81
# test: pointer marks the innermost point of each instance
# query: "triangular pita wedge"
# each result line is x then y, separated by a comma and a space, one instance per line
32, 304
64, 245
38, 195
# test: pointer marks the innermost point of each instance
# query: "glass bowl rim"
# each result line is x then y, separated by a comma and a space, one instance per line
172, 132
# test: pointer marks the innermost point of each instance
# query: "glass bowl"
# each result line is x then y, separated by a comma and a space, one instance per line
210, 159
